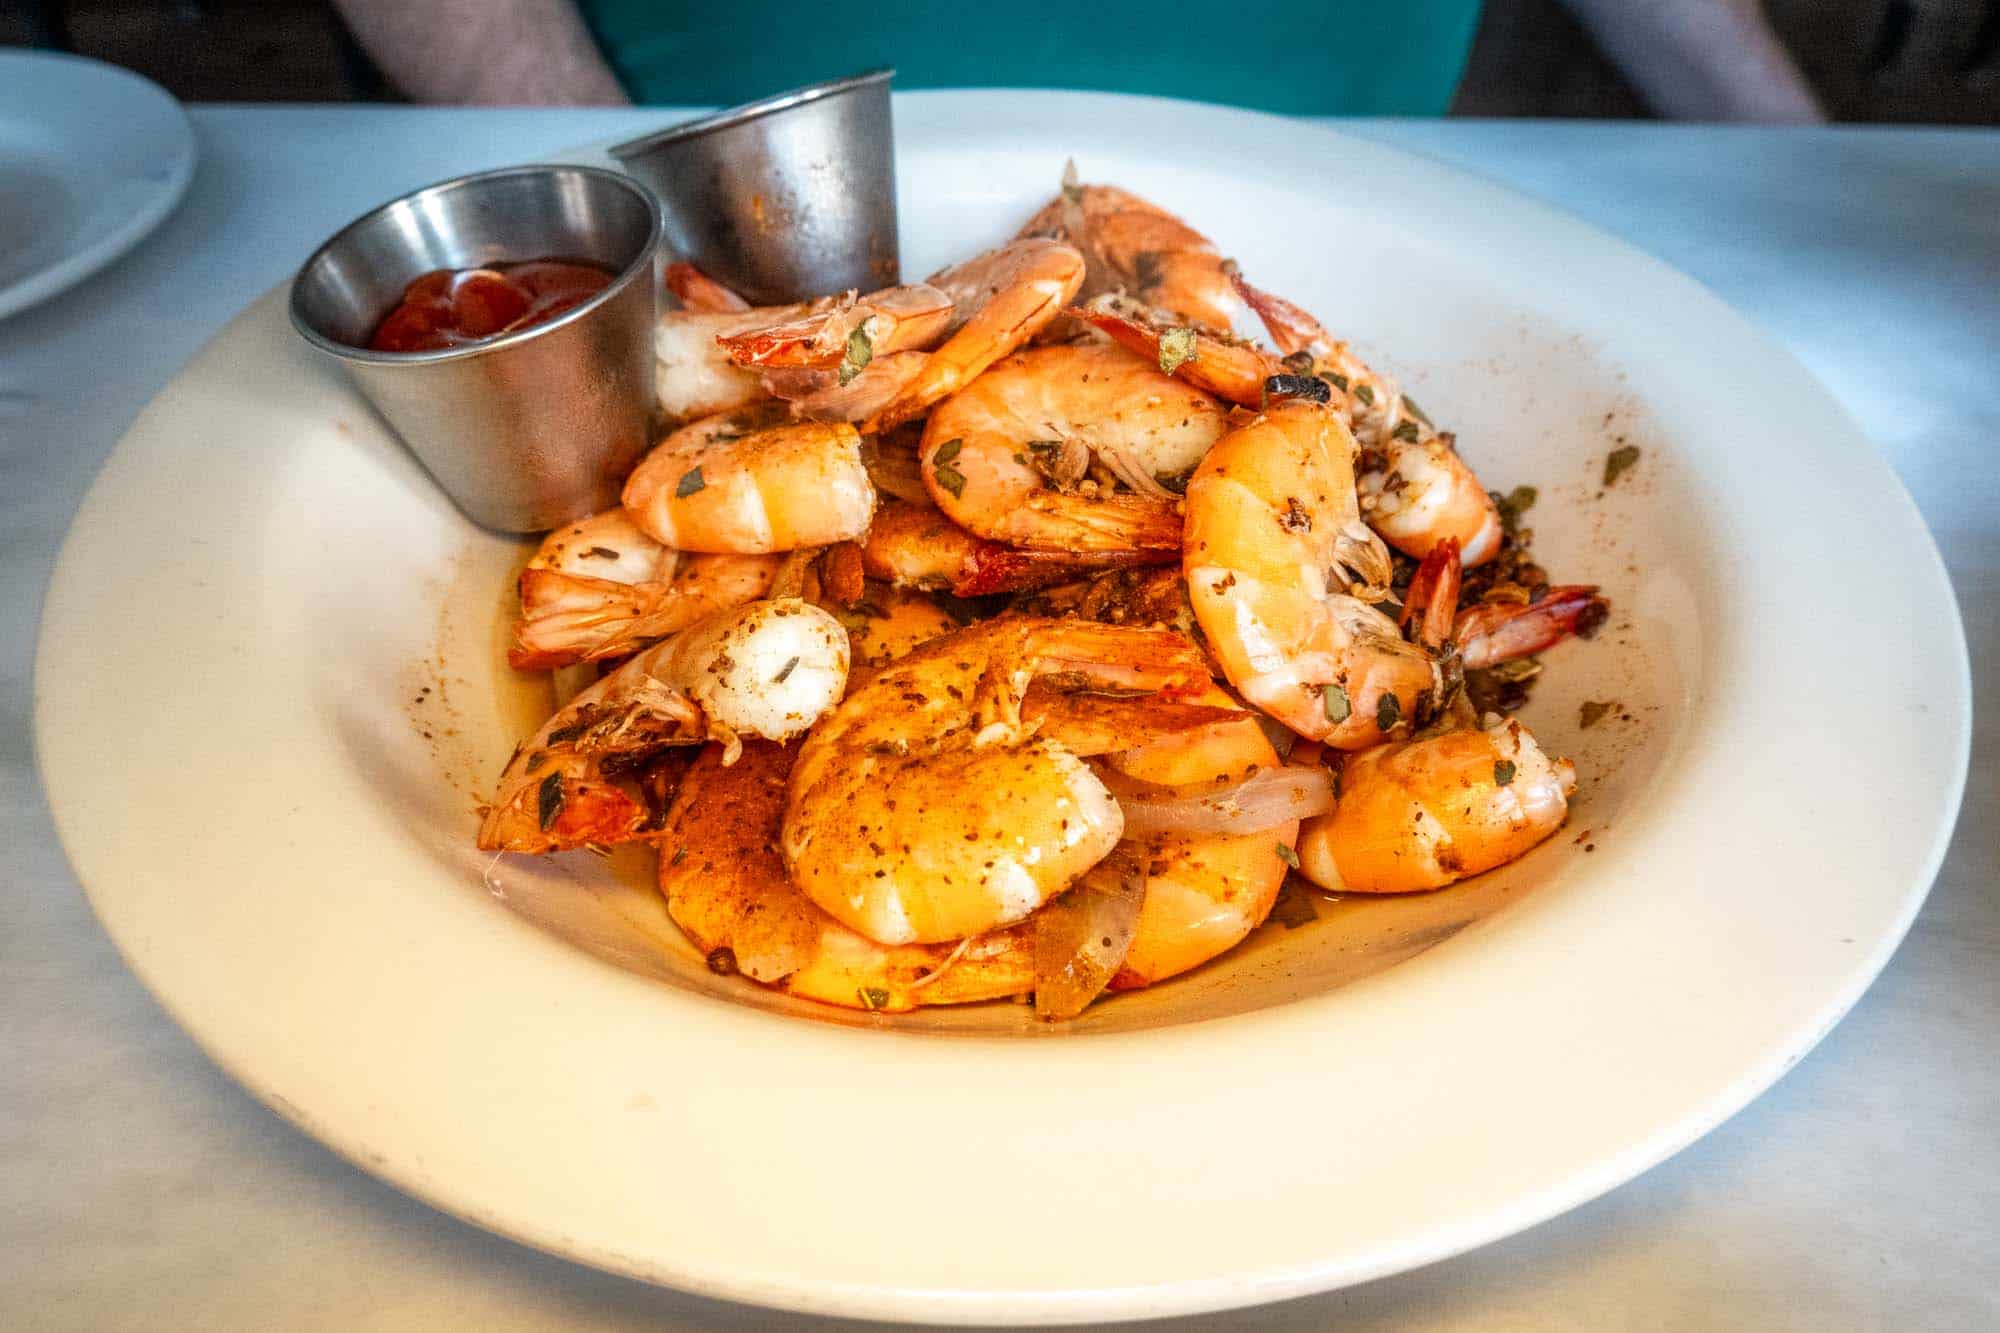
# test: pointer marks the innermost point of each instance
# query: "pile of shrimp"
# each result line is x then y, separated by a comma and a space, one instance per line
1016, 633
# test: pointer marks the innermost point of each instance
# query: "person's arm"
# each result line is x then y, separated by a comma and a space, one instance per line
1702, 59
485, 52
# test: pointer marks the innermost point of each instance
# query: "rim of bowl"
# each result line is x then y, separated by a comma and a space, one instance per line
749, 111
641, 263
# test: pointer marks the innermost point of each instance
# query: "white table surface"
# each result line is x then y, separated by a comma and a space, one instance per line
140, 1188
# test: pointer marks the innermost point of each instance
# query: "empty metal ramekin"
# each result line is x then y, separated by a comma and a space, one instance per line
785, 198
527, 430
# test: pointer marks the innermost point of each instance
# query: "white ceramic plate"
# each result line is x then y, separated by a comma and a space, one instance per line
270, 692
92, 158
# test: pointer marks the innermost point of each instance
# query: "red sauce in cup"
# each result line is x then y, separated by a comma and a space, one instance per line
454, 307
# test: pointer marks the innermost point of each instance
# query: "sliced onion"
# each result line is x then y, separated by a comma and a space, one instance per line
1268, 796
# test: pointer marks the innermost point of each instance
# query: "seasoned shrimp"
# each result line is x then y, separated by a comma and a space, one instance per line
1002, 299
1032, 453
727, 888
929, 806
566, 618
1141, 249
1415, 488
831, 394
847, 333
918, 547
1421, 814
1270, 511
737, 483
769, 669
888, 622
1228, 367
693, 374
1204, 891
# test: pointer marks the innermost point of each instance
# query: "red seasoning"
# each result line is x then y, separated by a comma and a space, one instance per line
454, 307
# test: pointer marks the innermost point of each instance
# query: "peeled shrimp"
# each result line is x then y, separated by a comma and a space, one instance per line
1033, 453
738, 483
916, 546
602, 588
847, 333
1228, 367
1002, 299
1415, 489
726, 886
931, 806
1204, 892
888, 622
769, 669
1139, 248
1270, 511
1421, 814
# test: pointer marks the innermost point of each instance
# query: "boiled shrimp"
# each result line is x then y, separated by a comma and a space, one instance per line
769, 669
693, 375
1070, 449
916, 546
847, 333
726, 886
930, 806
1415, 488
1231, 368
602, 588
740, 483
1204, 891
1424, 813
1270, 511
1001, 299
1137, 247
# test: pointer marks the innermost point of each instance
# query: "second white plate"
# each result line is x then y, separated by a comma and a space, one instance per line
92, 158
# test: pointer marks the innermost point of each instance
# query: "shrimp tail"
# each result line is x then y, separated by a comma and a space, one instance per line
1290, 327
1492, 633
569, 618
695, 290
1432, 600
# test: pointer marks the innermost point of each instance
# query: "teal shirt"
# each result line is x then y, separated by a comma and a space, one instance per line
1334, 57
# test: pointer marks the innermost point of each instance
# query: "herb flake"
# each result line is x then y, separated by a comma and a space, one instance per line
1592, 713
1177, 348
1288, 856
1338, 706
1503, 772
872, 997
1388, 712
951, 479
1406, 431
1619, 461
860, 351
785, 671
691, 482
949, 450
549, 800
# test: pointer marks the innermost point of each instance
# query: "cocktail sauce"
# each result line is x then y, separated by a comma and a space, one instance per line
454, 307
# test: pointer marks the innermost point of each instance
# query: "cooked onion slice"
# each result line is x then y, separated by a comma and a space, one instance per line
1081, 936
1268, 796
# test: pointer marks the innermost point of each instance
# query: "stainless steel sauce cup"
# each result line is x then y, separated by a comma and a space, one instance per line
785, 198
530, 429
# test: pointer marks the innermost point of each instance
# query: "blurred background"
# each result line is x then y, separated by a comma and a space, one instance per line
1849, 60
